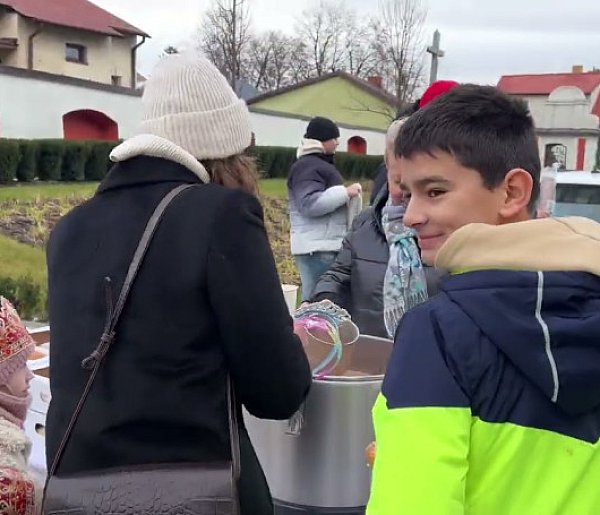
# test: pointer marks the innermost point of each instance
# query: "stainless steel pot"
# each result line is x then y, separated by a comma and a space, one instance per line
317, 458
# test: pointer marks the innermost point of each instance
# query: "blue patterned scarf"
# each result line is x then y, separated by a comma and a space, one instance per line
404, 285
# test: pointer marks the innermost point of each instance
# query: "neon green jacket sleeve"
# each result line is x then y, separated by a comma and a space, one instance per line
422, 427
421, 460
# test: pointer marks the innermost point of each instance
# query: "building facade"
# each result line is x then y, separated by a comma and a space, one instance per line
67, 71
79, 40
362, 110
566, 110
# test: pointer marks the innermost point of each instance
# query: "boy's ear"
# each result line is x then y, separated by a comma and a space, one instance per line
518, 187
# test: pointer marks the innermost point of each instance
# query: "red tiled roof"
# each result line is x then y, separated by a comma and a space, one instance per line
545, 84
79, 14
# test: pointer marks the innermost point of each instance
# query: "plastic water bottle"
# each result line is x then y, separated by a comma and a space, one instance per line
547, 191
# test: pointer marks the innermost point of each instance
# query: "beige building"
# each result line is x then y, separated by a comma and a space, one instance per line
79, 40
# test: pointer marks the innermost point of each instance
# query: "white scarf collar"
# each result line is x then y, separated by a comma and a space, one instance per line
155, 146
309, 146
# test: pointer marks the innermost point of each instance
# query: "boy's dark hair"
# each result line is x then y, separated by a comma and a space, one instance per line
483, 129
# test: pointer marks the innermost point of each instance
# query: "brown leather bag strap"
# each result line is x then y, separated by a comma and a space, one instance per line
95, 359
234, 432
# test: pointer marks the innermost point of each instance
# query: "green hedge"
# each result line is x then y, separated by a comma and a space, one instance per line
74, 160
54, 160
275, 162
10, 155
98, 162
26, 171
49, 162
62, 160
25, 294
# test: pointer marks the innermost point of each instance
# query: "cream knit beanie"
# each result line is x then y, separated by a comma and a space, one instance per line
188, 102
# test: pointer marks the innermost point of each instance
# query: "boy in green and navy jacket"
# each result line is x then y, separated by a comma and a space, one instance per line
491, 401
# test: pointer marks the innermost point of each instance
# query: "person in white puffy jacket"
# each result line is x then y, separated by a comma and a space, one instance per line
321, 207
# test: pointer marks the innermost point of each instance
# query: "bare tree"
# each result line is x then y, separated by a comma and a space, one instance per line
400, 47
224, 35
269, 61
323, 30
169, 50
329, 38
256, 60
302, 67
361, 52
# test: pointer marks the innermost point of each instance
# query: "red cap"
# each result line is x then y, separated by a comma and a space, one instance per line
435, 90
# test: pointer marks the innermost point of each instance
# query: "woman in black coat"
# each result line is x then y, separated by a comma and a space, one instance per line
207, 303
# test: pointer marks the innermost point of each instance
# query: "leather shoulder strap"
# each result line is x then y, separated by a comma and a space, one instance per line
94, 361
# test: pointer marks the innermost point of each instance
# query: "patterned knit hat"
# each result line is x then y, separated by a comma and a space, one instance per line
16, 344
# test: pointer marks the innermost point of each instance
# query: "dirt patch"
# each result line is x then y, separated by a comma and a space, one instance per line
30, 222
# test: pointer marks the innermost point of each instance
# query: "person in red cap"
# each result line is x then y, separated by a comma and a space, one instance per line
435, 90
17, 487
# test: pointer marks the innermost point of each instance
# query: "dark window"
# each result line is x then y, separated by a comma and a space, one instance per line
578, 193
578, 200
76, 53
116, 80
556, 153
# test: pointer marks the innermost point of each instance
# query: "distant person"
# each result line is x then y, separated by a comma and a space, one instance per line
321, 207
207, 303
432, 92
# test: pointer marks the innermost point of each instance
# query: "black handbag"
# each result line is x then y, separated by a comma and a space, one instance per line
209, 488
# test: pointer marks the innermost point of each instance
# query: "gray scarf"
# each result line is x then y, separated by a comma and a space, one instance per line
404, 284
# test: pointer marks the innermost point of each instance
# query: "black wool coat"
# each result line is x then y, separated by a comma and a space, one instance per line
207, 303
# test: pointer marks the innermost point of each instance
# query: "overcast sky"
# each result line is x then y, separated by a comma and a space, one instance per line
483, 39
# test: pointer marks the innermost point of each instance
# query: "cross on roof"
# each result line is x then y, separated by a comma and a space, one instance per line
436, 52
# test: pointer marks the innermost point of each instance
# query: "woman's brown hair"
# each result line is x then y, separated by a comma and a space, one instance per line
238, 172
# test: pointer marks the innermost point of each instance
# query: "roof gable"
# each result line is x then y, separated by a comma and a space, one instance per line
362, 84
544, 84
338, 96
78, 14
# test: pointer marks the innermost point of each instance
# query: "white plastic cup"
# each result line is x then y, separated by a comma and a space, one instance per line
290, 292
547, 199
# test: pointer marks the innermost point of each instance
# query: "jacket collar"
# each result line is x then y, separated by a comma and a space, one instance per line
378, 205
155, 146
143, 170
546, 244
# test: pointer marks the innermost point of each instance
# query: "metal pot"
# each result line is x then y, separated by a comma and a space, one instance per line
315, 462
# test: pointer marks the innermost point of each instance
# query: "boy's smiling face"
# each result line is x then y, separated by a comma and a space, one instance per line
444, 195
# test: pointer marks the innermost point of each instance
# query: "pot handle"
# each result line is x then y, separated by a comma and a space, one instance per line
296, 422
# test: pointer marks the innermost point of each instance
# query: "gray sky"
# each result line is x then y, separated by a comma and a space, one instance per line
483, 39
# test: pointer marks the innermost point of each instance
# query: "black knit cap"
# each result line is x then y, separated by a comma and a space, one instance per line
322, 129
